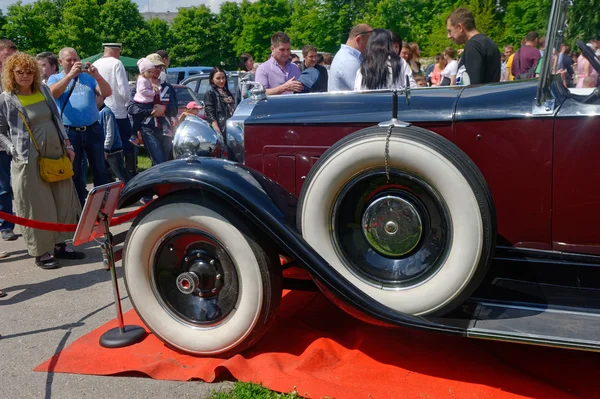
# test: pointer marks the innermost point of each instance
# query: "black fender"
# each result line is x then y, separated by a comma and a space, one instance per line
273, 210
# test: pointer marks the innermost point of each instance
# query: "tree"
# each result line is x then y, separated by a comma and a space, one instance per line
160, 34
79, 28
583, 21
121, 22
28, 25
524, 16
229, 28
308, 25
262, 19
194, 34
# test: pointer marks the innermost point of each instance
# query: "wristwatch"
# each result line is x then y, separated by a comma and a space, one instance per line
69, 147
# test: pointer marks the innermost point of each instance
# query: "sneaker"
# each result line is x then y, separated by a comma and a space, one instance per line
3, 254
47, 261
63, 252
8, 235
135, 141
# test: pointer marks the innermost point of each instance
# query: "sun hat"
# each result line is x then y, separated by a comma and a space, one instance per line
156, 59
193, 105
144, 65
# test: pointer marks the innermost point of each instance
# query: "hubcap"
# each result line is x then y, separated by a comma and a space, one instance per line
392, 226
393, 232
194, 277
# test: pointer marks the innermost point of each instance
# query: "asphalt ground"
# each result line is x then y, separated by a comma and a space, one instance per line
46, 310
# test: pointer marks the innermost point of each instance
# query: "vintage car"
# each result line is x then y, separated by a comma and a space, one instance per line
466, 210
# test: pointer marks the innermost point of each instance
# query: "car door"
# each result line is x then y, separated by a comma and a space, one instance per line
576, 182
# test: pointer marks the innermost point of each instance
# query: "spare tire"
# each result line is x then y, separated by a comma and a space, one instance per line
417, 236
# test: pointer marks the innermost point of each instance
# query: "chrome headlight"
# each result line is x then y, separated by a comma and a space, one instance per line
194, 136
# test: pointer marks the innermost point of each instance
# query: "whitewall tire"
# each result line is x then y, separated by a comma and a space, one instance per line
237, 282
436, 206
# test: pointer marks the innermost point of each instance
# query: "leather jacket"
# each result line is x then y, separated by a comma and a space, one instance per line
215, 109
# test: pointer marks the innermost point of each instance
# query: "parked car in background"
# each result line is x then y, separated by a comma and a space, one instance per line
200, 84
177, 74
184, 96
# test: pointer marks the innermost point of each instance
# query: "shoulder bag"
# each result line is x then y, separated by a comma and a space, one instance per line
51, 170
529, 73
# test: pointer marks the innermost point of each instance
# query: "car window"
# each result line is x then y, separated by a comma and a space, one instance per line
192, 85
193, 73
202, 88
184, 96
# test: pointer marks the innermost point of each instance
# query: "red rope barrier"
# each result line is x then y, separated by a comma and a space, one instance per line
59, 227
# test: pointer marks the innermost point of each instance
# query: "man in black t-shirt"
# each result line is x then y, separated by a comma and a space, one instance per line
481, 57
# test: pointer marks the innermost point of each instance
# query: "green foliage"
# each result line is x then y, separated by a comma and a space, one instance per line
120, 21
584, 21
229, 28
79, 28
524, 16
161, 36
195, 36
260, 21
28, 24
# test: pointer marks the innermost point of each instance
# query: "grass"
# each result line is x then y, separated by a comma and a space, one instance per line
250, 390
144, 161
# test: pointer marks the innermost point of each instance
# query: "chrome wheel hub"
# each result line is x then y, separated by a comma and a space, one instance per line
392, 226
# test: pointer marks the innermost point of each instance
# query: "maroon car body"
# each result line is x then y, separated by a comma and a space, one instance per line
466, 210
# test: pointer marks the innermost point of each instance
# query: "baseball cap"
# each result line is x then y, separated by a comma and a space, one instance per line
193, 105
155, 59
112, 45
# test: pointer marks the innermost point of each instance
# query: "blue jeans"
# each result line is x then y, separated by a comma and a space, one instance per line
157, 144
88, 144
130, 152
5, 190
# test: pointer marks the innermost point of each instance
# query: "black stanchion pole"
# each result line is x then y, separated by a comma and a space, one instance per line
123, 335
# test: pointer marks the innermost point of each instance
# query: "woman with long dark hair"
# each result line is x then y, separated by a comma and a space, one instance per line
219, 103
381, 67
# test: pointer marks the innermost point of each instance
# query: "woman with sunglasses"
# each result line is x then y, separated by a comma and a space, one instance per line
30, 128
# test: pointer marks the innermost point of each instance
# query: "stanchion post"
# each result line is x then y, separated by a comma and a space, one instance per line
122, 335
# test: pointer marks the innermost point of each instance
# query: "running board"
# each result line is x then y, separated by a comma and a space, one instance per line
564, 327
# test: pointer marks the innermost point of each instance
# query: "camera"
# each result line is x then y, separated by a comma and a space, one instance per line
85, 66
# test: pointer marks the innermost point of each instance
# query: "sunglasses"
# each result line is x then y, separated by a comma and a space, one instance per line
22, 73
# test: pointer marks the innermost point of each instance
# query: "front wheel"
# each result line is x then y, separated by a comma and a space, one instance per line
198, 277
418, 235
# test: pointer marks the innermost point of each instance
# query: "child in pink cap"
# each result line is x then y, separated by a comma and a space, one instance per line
144, 95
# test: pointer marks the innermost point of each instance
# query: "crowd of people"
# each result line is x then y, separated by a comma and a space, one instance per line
89, 114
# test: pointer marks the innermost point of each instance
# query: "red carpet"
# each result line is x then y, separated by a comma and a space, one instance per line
322, 351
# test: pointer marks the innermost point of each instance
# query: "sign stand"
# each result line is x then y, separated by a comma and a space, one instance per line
93, 224
123, 335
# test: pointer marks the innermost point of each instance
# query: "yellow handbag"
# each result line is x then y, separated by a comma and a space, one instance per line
51, 170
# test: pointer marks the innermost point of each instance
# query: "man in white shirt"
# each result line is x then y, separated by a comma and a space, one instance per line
113, 71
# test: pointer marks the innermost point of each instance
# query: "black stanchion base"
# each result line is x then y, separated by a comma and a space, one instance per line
114, 338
